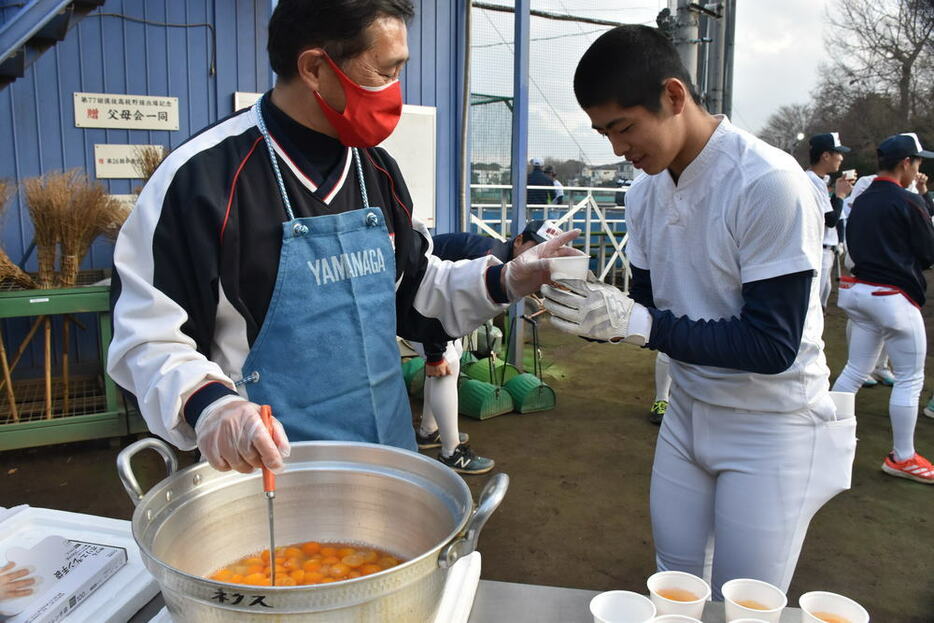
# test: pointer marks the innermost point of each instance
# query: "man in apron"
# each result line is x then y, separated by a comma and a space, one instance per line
272, 258
725, 239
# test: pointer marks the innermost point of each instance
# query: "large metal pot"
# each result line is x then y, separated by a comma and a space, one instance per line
199, 519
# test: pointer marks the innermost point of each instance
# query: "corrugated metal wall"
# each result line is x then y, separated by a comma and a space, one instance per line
108, 54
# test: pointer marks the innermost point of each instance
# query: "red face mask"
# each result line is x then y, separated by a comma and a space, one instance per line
370, 113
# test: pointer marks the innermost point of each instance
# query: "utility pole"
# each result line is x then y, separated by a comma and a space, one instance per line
716, 55
729, 40
686, 36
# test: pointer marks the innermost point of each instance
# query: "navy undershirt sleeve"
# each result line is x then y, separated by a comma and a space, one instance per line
831, 218
640, 288
764, 339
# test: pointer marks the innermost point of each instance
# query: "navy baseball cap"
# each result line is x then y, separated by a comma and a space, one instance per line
901, 146
829, 141
540, 231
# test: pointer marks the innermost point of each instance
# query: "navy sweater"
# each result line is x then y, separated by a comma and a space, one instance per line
890, 238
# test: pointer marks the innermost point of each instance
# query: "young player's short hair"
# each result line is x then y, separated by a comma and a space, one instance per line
629, 65
888, 163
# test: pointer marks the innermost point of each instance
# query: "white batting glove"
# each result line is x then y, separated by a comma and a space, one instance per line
527, 272
231, 435
597, 311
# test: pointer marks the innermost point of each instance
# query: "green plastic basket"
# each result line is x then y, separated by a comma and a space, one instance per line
501, 371
529, 392
413, 373
482, 401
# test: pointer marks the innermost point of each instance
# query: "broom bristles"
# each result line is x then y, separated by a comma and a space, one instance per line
9, 271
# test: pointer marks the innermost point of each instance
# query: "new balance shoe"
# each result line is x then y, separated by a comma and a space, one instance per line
433, 440
465, 461
657, 412
929, 408
916, 468
884, 376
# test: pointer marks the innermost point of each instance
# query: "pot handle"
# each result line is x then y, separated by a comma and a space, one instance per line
125, 469
490, 499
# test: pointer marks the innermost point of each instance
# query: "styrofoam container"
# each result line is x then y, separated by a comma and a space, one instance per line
622, 607
123, 594
569, 267
830, 603
678, 580
744, 589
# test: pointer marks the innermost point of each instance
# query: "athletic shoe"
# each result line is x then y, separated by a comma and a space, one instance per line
433, 440
870, 382
929, 408
916, 468
466, 462
657, 412
884, 376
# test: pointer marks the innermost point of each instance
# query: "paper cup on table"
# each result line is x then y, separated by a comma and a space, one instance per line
569, 268
823, 607
753, 599
676, 618
677, 592
621, 607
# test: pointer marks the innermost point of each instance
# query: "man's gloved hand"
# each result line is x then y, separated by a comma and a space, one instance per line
599, 311
232, 436
526, 273
438, 369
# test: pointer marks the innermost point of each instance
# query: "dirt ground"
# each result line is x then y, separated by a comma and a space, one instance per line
576, 513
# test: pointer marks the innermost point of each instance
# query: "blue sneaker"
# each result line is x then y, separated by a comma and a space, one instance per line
870, 382
884, 376
929, 408
433, 440
464, 461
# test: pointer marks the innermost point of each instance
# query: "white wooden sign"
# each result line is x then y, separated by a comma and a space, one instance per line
242, 99
118, 161
413, 145
126, 112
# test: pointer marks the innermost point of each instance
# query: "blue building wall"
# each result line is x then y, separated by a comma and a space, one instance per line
108, 54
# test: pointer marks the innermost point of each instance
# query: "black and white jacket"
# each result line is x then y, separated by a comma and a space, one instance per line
196, 262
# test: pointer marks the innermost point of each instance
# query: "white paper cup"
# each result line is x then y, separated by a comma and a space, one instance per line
621, 607
570, 267
749, 621
820, 602
676, 618
667, 580
744, 590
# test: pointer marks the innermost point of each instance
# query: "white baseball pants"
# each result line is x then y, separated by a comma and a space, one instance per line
733, 492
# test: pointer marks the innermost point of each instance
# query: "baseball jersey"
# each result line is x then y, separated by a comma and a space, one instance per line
742, 211
820, 185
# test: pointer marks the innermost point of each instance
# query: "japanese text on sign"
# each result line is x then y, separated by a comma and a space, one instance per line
119, 161
130, 112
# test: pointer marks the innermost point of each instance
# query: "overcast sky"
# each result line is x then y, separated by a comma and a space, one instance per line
778, 48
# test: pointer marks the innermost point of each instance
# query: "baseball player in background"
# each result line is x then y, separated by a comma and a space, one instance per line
890, 239
826, 156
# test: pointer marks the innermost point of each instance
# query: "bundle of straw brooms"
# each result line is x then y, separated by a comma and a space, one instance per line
68, 212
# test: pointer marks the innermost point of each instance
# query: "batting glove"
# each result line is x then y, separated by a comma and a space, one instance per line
598, 311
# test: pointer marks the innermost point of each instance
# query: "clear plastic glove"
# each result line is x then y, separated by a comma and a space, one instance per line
598, 311
527, 273
232, 436
14, 583
439, 369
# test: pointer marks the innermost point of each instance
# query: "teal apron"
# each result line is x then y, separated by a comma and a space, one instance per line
326, 358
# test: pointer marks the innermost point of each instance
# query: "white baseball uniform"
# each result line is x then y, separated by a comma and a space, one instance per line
744, 459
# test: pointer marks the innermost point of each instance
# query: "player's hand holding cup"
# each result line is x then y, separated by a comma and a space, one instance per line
598, 311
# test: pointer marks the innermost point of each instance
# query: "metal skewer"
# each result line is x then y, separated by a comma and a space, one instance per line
269, 488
